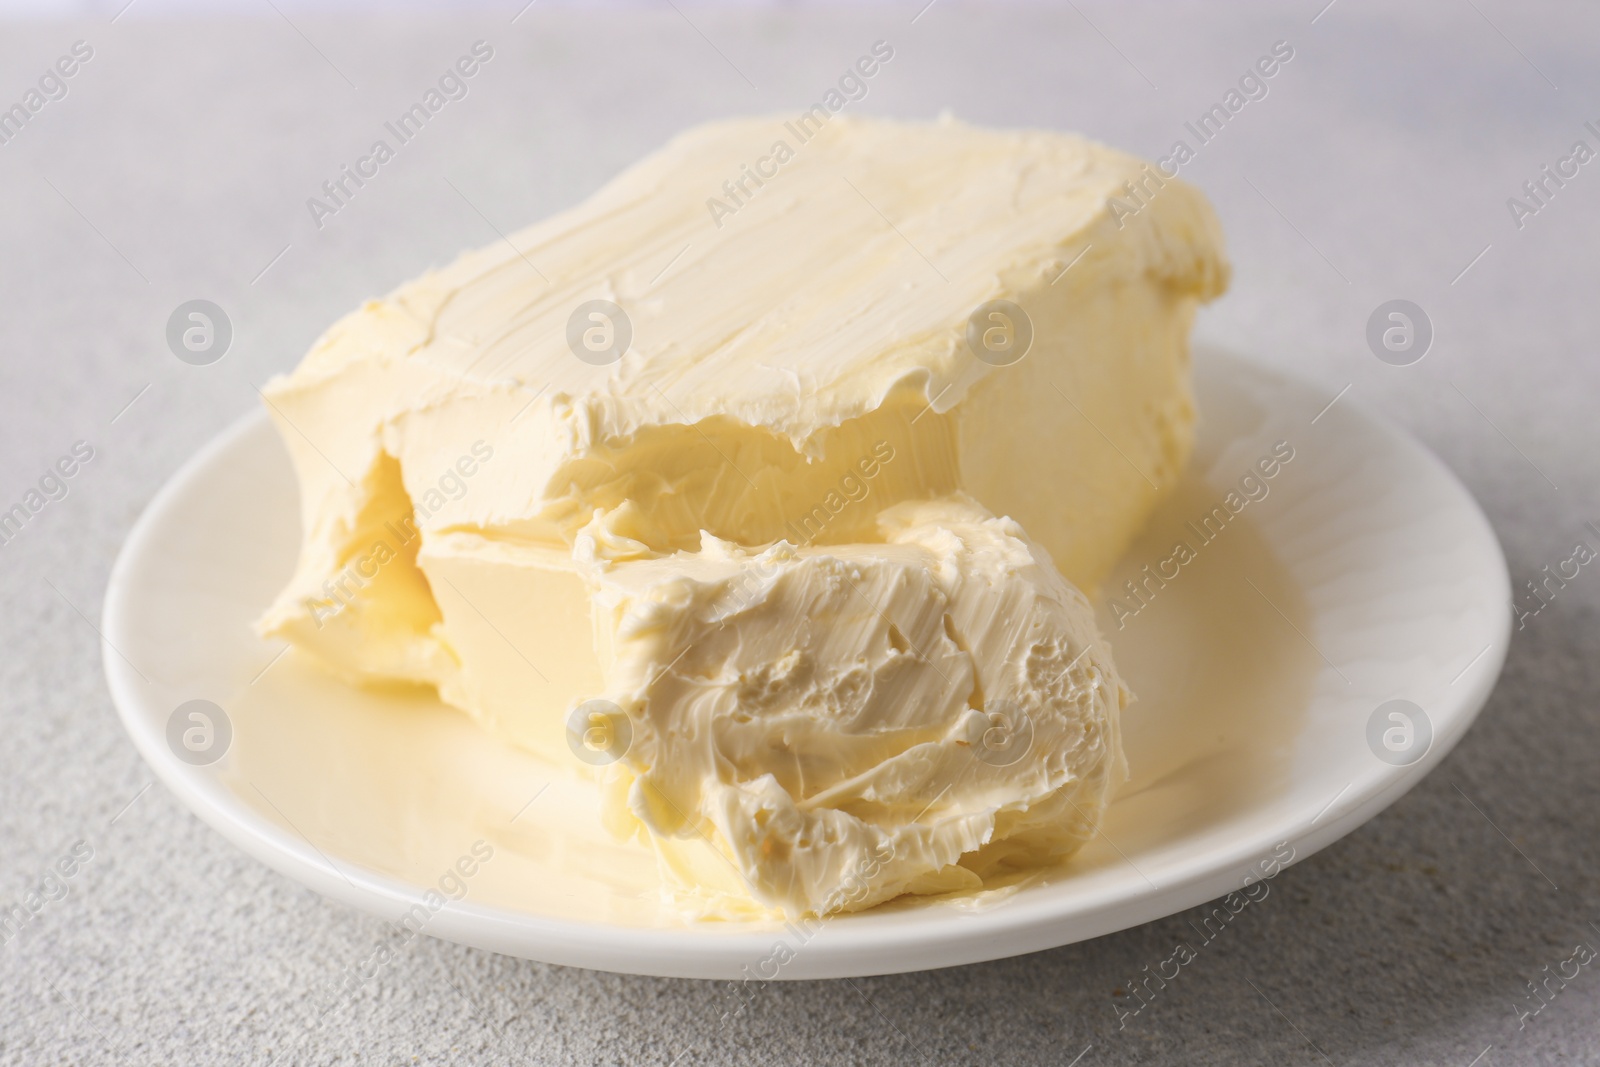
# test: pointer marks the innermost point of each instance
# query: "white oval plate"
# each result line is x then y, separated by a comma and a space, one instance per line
1364, 574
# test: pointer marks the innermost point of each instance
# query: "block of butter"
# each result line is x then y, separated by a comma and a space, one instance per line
800, 490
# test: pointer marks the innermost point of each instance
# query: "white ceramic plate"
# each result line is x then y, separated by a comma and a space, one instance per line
1365, 574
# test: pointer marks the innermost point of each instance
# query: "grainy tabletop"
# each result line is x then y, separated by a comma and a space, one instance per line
1380, 162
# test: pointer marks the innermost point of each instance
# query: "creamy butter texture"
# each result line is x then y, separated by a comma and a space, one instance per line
798, 534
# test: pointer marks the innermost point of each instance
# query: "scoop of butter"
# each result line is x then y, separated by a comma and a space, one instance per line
847, 723
815, 402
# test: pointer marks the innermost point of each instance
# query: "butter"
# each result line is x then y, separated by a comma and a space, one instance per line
798, 407
849, 723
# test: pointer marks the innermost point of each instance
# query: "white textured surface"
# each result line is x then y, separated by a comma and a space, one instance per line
1390, 146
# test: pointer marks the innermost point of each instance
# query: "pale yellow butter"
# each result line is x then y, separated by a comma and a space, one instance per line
487, 513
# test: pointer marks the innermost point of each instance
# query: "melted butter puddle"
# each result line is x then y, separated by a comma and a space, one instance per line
398, 782
1222, 678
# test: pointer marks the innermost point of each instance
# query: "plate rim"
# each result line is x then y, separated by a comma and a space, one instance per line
899, 945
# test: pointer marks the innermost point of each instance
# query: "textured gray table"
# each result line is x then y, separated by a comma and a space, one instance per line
1378, 166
